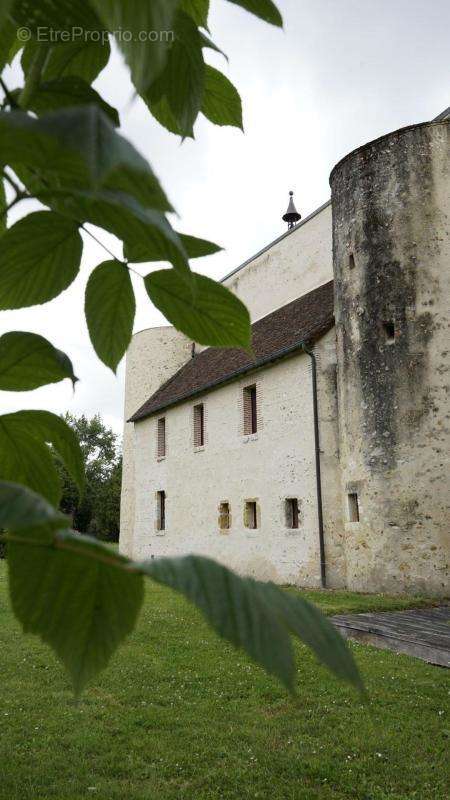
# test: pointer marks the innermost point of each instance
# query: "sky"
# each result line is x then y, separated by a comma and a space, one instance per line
341, 73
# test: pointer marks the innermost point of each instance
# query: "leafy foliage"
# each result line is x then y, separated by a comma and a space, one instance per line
98, 598
110, 309
199, 307
27, 361
25, 456
97, 510
221, 101
67, 154
265, 9
101, 593
39, 258
20, 508
69, 91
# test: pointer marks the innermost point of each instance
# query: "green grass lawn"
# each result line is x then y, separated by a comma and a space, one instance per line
180, 715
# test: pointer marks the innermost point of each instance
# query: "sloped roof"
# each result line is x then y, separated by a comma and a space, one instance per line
274, 336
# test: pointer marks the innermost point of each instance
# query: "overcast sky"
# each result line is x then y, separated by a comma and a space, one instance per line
341, 73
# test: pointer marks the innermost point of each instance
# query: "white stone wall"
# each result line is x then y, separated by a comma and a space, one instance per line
270, 466
299, 262
152, 357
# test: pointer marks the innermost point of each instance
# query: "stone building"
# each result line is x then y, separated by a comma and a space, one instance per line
323, 459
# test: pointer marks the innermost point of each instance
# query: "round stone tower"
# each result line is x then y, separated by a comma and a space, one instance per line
391, 260
154, 354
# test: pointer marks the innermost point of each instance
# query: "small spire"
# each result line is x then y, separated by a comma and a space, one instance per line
291, 216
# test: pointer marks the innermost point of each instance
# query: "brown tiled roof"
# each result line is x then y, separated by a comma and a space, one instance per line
280, 333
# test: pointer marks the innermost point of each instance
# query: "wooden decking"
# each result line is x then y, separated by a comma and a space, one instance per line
423, 632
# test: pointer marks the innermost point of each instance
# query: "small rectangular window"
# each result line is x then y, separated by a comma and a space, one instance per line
224, 516
389, 331
199, 425
161, 443
250, 410
291, 510
251, 515
161, 511
351, 261
353, 507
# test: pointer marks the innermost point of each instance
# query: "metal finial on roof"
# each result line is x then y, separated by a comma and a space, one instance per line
291, 216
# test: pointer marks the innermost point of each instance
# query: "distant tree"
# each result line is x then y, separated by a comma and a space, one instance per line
97, 511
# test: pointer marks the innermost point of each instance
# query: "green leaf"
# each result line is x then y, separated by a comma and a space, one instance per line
76, 595
78, 58
194, 248
5, 7
80, 149
25, 457
235, 608
22, 508
3, 212
182, 81
264, 9
207, 42
7, 39
145, 57
62, 15
198, 10
129, 221
28, 361
69, 91
221, 101
39, 258
110, 308
162, 112
304, 620
257, 617
199, 307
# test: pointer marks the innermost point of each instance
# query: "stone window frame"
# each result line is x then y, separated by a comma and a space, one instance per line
224, 529
196, 447
157, 521
255, 501
245, 383
161, 452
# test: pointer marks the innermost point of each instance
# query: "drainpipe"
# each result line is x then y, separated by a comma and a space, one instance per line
323, 577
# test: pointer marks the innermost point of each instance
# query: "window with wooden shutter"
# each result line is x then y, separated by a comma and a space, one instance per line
161, 438
199, 425
250, 410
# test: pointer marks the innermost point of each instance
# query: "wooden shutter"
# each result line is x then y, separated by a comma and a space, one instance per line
161, 438
199, 425
250, 410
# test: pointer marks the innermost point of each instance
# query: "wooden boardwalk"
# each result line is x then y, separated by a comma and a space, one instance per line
422, 632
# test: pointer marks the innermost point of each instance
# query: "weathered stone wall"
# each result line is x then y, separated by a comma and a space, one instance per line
152, 357
270, 466
391, 253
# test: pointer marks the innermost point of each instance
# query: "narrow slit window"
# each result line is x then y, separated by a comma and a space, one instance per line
353, 507
389, 331
161, 510
161, 443
199, 425
224, 516
351, 261
250, 410
291, 510
251, 515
